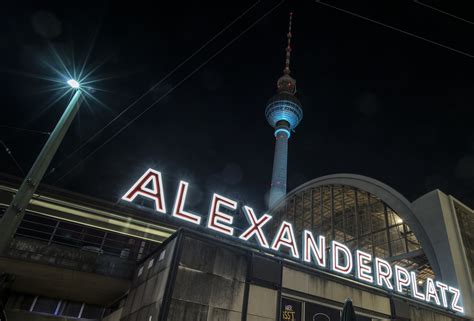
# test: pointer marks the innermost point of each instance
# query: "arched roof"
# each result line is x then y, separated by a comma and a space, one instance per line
387, 194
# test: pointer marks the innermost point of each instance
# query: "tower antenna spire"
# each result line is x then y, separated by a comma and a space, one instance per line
286, 71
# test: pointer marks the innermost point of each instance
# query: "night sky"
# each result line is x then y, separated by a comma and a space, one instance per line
376, 102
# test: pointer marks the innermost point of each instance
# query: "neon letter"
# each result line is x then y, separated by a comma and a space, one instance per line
402, 278
154, 193
430, 291
337, 248
286, 237
178, 210
455, 300
255, 227
442, 290
218, 219
383, 273
311, 249
414, 288
364, 271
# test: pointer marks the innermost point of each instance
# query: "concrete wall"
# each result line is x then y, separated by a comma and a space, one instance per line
262, 304
436, 213
58, 282
213, 281
329, 290
70, 258
114, 316
417, 313
146, 295
210, 283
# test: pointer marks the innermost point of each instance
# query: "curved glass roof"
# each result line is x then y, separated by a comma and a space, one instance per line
356, 218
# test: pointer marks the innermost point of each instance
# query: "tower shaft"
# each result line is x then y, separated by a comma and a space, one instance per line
280, 162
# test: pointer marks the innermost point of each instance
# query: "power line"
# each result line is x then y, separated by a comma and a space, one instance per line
396, 29
170, 90
9, 152
26, 130
443, 12
169, 74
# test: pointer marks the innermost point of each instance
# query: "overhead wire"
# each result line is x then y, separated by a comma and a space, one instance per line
26, 130
9, 152
170, 90
396, 29
152, 88
443, 12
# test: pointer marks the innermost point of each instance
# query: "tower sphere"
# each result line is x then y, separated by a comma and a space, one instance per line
284, 107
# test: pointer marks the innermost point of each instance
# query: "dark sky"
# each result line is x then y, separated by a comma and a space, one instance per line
377, 102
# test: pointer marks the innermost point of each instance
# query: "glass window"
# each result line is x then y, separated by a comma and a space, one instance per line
412, 241
396, 233
398, 247
91, 312
364, 219
393, 218
71, 309
381, 248
23, 302
307, 210
378, 215
317, 210
46, 305
339, 215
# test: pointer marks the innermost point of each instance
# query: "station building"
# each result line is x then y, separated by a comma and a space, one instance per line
78, 258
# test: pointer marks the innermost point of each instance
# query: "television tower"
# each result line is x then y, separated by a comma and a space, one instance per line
283, 112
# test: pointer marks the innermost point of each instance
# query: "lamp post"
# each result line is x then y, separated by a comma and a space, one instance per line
16, 211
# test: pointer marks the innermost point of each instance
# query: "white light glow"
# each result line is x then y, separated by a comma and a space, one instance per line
178, 209
336, 250
402, 278
218, 219
311, 249
155, 192
455, 300
363, 269
383, 273
73, 83
255, 227
286, 237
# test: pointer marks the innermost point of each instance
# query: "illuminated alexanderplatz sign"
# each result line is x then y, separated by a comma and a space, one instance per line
312, 250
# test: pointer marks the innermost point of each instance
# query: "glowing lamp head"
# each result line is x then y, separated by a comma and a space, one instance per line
73, 83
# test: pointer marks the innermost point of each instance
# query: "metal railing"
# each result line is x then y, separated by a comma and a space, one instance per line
82, 237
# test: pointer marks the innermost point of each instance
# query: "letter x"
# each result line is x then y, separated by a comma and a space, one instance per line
255, 227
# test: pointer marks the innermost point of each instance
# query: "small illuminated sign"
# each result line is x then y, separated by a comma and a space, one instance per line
290, 310
359, 265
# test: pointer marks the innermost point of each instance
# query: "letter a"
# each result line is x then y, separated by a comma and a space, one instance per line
154, 192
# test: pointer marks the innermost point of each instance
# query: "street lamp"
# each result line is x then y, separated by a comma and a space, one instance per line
16, 211
73, 83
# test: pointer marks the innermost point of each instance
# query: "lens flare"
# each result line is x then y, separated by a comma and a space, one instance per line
73, 83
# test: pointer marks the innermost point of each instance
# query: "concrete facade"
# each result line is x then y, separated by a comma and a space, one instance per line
435, 211
210, 280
